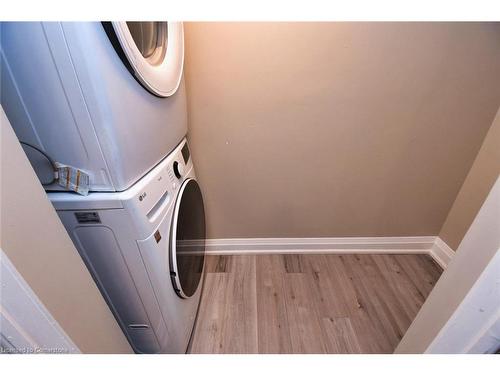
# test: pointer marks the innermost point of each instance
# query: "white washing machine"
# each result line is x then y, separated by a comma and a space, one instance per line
104, 99
145, 249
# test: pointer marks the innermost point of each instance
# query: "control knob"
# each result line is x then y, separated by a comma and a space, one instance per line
178, 169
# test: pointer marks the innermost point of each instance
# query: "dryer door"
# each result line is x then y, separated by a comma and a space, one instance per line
152, 51
187, 240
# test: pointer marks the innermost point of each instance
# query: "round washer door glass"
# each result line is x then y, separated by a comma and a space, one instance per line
187, 246
154, 52
151, 39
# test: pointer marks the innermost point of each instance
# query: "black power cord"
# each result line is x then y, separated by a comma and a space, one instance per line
51, 161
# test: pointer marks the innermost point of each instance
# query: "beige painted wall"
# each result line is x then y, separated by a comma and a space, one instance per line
477, 185
36, 242
337, 129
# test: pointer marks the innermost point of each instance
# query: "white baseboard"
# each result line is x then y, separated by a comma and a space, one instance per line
441, 252
431, 245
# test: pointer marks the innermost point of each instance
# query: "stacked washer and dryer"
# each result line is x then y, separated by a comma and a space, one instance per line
100, 109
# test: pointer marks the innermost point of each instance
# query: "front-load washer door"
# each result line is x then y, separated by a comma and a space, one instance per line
187, 240
152, 51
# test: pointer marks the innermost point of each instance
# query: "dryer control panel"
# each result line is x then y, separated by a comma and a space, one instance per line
155, 192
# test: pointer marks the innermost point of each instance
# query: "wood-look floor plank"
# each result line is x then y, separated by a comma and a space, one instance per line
326, 288
273, 326
207, 336
239, 332
217, 264
306, 333
341, 336
293, 263
390, 301
228, 311
406, 292
388, 305
375, 331
353, 304
310, 303
429, 265
418, 275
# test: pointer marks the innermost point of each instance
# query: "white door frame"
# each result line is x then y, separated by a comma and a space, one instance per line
26, 326
461, 314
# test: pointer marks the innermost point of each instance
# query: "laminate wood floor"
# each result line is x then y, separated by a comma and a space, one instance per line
310, 303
